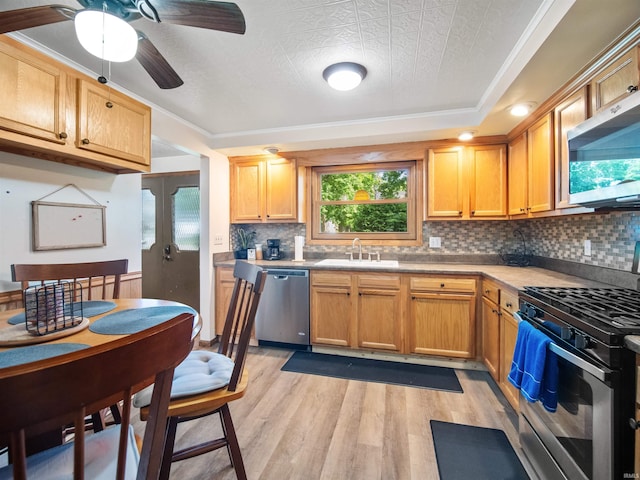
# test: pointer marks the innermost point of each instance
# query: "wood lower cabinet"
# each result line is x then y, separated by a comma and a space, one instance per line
379, 312
491, 327
508, 335
332, 312
441, 316
224, 289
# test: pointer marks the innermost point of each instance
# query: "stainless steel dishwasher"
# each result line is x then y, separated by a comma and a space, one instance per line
283, 313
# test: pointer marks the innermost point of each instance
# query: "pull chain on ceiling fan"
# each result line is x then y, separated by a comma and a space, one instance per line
212, 15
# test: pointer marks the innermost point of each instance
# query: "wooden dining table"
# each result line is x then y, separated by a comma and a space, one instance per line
83, 337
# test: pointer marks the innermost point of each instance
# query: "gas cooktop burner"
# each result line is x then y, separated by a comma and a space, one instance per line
618, 307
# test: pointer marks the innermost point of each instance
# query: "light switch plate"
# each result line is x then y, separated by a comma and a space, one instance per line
435, 242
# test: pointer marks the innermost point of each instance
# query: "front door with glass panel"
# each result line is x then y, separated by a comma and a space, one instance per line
171, 238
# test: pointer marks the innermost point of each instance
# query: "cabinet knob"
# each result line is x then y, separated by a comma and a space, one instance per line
108, 105
509, 305
85, 141
348, 294
442, 285
413, 297
62, 135
268, 215
632, 88
522, 209
473, 212
359, 294
487, 291
459, 212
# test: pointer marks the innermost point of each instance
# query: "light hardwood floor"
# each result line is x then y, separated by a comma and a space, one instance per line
296, 426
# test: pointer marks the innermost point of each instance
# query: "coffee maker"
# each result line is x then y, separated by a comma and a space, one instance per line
273, 249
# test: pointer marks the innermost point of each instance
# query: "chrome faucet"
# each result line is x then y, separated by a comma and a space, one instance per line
353, 246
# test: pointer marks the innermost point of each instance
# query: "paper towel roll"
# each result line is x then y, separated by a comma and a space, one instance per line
299, 243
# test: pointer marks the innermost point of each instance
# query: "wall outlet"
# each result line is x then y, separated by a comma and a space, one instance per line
587, 248
217, 239
435, 242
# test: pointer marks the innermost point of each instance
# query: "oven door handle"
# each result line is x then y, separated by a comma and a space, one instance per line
600, 374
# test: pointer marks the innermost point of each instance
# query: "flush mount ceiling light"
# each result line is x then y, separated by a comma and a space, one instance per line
521, 109
466, 136
271, 150
344, 76
106, 36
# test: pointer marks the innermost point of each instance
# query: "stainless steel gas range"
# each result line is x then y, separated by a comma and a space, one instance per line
589, 435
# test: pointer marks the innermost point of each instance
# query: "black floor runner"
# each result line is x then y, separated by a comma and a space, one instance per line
369, 370
464, 451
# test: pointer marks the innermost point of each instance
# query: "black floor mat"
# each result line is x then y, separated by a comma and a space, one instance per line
464, 451
369, 370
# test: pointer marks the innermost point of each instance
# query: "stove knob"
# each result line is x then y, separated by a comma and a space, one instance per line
566, 333
581, 342
531, 312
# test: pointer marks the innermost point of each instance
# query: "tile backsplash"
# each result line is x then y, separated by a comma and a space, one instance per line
612, 235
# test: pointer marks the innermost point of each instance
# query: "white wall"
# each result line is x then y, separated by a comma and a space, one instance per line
25, 179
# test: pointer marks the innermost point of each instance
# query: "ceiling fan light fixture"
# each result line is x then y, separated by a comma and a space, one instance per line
344, 76
106, 36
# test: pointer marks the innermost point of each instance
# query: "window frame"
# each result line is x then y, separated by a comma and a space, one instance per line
413, 235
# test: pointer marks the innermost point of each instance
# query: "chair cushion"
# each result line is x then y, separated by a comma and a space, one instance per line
200, 372
101, 458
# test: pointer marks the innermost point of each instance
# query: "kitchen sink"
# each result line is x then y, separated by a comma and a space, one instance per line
345, 262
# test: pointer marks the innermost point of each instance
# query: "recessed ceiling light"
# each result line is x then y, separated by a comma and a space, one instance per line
466, 136
344, 76
521, 109
271, 150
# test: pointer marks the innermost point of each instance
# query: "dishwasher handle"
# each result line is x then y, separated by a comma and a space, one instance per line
281, 277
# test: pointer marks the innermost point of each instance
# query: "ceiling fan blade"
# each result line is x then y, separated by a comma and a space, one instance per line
223, 16
155, 64
13, 20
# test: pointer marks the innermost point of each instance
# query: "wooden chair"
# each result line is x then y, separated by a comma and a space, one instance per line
64, 388
233, 344
96, 274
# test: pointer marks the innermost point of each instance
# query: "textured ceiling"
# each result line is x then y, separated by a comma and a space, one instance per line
435, 67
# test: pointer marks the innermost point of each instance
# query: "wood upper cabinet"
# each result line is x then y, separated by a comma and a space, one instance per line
113, 124
571, 112
531, 169
442, 323
332, 309
488, 181
53, 112
616, 81
445, 197
467, 182
34, 95
263, 190
379, 319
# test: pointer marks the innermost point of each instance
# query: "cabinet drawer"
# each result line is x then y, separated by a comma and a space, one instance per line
509, 301
225, 274
491, 290
389, 282
330, 279
443, 284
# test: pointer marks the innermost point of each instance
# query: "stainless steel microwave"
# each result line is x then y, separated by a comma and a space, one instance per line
604, 157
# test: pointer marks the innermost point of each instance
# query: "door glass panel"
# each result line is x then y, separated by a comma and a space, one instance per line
148, 219
185, 216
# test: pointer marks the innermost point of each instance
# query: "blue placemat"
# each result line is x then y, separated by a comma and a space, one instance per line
32, 353
90, 309
135, 320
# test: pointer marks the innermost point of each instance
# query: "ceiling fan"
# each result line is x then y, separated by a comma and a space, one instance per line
212, 15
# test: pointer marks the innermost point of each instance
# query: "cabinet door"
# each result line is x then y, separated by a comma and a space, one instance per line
379, 319
33, 95
540, 165
224, 289
281, 192
113, 124
246, 191
442, 324
568, 114
491, 337
508, 334
445, 183
613, 83
518, 176
331, 315
488, 189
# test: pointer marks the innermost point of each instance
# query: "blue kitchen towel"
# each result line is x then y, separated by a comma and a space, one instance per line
549, 395
529, 361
